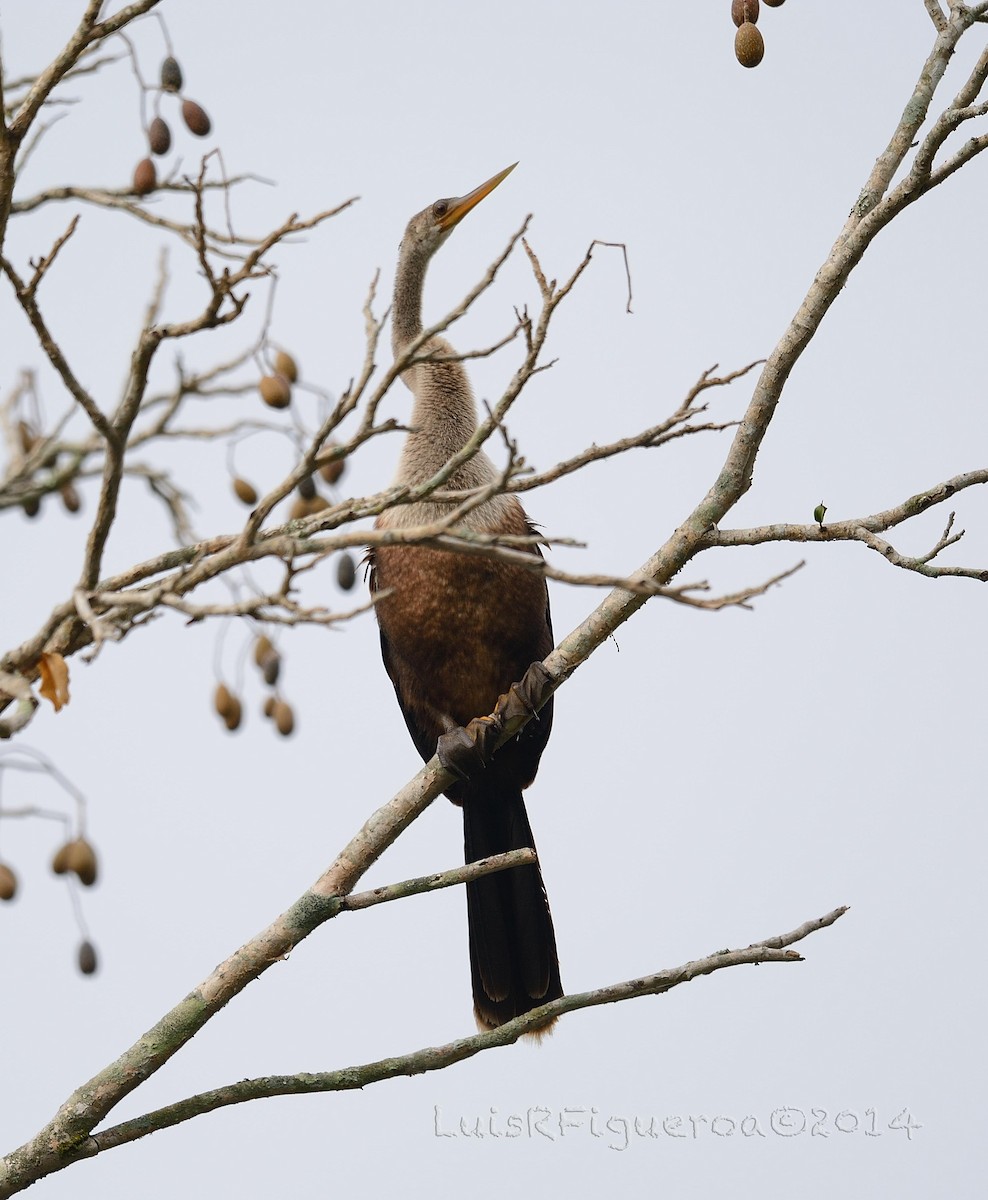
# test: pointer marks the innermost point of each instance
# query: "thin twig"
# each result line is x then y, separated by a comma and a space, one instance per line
441, 879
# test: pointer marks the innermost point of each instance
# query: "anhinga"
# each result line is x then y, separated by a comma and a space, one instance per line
456, 632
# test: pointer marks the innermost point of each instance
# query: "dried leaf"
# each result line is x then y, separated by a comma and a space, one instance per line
55, 679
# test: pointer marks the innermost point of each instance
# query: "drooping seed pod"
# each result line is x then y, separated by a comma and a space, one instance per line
8, 883
60, 859
244, 491
171, 75
744, 10
86, 958
269, 706
307, 487
284, 718
222, 699
272, 669
70, 497
276, 391
31, 506
775, 3
285, 365
159, 136
263, 649
749, 45
346, 572
145, 177
233, 715
332, 470
194, 115
80, 858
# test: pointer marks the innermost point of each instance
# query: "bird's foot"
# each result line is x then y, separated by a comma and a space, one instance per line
466, 750
523, 699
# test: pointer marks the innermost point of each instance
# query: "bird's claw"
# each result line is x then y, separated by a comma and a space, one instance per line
466, 750
523, 699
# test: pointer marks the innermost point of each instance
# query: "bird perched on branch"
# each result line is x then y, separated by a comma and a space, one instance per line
457, 631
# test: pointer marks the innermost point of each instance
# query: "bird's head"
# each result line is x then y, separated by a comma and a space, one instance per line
428, 229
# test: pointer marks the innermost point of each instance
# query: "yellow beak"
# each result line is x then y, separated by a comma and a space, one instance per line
459, 207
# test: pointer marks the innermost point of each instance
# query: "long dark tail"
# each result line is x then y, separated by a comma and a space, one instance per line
513, 958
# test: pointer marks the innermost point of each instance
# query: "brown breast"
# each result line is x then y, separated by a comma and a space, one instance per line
460, 629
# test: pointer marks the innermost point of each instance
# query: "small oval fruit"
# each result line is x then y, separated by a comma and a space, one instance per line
276, 391
194, 115
307, 487
233, 715
60, 860
744, 10
269, 707
284, 718
263, 649
244, 491
222, 699
775, 3
80, 858
332, 470
171, 75
145, 177
8, 883
749, 45
31, 506
346, 571
285, 365
70, 497
272, 669
159, 136
86, 957
306, 508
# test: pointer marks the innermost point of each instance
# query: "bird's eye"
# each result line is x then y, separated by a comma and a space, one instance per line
440, 208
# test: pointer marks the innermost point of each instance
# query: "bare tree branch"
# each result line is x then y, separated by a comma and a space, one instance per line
936, 14
87, 34
442, 879
866, 529
25, 294
66, 1141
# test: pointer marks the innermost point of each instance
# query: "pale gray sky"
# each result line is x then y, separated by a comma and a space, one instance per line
711, 780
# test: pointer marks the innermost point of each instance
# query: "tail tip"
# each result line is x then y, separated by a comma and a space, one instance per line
487, 1021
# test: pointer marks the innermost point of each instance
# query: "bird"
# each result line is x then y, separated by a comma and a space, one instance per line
457, 631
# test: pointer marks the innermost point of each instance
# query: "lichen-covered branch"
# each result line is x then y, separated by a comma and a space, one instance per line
69, 1139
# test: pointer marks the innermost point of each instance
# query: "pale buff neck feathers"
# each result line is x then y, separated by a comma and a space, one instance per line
444, 414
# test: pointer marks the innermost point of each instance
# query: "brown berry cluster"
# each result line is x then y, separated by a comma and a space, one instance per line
749, 45
30, 440
76, 857
159, 133
268, 662
267, 659
275, 388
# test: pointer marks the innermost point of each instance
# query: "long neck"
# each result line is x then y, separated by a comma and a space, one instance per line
406, 311
444, 415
